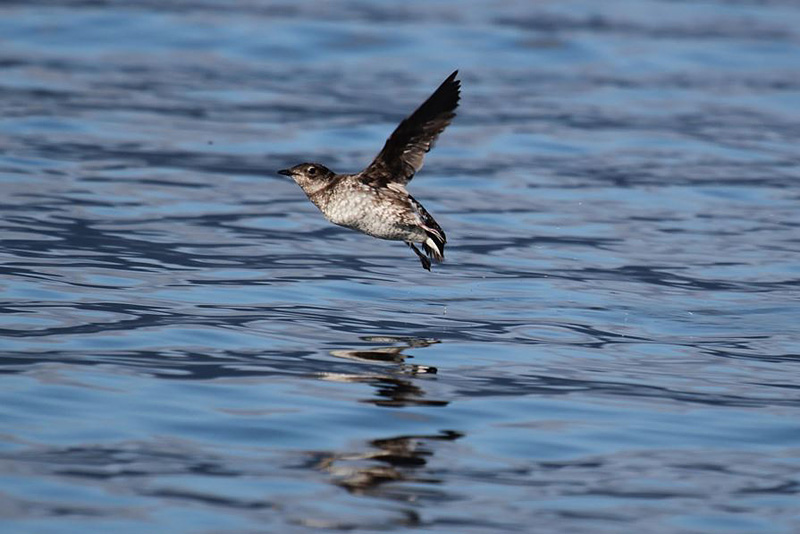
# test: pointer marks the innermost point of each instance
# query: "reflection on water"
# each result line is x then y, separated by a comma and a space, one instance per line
388, 354
393, 387
393, 469
398, 459
187, 346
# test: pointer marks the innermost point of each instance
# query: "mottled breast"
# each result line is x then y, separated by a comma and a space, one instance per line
380, 212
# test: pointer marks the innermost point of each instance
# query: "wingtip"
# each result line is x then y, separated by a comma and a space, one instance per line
452, 81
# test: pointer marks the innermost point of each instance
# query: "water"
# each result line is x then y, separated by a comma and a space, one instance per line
189, 347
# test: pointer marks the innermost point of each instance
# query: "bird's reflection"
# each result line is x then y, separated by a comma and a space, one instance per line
395, 384
401, 458
392, 354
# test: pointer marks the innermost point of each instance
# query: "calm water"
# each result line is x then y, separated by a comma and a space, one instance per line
188, 347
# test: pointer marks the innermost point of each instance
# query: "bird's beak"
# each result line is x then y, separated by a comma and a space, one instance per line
285, 172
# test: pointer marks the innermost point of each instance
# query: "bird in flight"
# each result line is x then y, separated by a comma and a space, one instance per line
375, 201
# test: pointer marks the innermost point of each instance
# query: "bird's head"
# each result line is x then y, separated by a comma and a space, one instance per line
309, 175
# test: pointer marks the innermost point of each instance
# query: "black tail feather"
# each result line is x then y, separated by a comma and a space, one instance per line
434, 245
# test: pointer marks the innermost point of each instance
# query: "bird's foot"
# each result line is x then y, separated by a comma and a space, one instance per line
426, 263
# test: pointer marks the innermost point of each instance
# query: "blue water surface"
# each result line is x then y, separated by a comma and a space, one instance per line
611, 346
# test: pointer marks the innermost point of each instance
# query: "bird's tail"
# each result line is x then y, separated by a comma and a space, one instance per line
434, 244
435, 240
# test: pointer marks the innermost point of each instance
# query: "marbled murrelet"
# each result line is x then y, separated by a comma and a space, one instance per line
375, 201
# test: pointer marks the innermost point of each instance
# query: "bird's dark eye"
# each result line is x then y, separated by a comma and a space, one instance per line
311, 171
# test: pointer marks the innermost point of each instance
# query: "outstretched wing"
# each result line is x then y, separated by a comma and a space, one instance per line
405, 149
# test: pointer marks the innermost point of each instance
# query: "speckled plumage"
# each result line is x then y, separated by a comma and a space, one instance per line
375, 201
